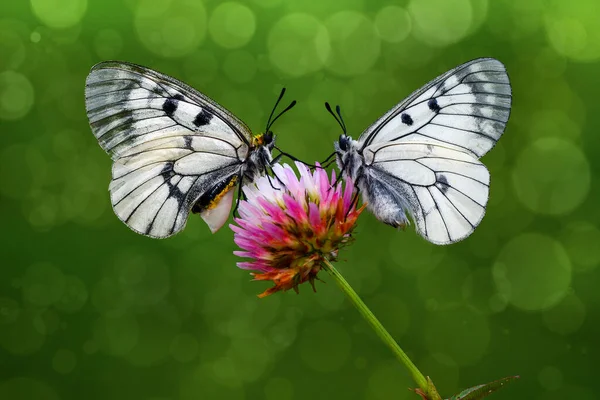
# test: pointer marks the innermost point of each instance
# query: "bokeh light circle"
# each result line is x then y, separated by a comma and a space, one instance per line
566, 317
59, 13
441, 22
298, 44
232, 25
551, 176
459, 333
324, 346
16, 95
573, 30
35, 37
532, 272
581, 239
393, 24
169, 28
355, 43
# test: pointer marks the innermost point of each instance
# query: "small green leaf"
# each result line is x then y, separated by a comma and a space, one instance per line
432, 393
481, 391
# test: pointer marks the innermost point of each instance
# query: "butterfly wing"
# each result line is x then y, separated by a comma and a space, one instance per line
444, 189
423, 155
170, 145
467, 107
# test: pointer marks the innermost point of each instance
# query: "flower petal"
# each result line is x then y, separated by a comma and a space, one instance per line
291, 222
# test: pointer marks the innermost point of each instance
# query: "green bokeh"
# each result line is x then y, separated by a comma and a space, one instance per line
89, 307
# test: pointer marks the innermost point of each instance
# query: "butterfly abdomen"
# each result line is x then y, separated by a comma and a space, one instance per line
211, 197
387, 198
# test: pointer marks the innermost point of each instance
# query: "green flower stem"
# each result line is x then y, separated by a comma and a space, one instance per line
377, 327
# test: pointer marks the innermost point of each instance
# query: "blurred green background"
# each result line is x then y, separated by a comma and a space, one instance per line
88, 309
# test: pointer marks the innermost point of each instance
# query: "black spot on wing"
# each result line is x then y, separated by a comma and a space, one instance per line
170, 104
177, 194
406, 119
442, 183
203, 118
167, 171
187, 142
433, 105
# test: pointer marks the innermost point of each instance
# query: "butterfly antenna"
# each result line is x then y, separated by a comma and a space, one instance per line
292, 104
341, 124
269, 123
339, 112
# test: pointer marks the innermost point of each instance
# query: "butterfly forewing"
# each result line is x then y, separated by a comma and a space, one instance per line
170, 144
467, 107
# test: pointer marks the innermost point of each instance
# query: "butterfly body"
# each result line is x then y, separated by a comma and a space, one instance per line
174, 149
421, 159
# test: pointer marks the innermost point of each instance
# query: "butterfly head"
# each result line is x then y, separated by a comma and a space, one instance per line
344, 143
266, 139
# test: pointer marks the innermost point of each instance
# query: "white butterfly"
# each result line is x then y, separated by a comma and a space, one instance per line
174, 149
422, 156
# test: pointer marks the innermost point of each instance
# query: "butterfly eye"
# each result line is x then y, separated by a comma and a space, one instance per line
343, 142
267, 137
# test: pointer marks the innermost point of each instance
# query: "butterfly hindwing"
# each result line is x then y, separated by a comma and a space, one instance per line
444, 189
467, 107
170, 145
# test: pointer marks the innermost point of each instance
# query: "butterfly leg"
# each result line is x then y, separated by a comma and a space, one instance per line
354, 201
339, 178
277, 177
270, 181
240, 194
291, 157
328, 161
